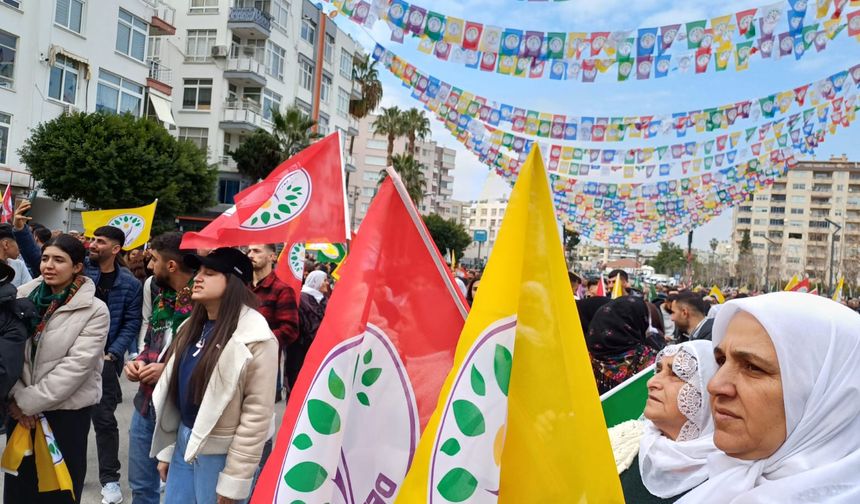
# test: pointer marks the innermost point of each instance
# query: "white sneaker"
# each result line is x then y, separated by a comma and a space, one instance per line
111, 493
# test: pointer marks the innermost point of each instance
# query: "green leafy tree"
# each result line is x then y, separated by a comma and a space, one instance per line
670, 260
258, 155
411, 173
415, 126
389, 124
571, 240
448, 234
366, 76
293, 130
119, 161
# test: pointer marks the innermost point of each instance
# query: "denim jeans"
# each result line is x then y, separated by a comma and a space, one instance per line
192, 483
143, 476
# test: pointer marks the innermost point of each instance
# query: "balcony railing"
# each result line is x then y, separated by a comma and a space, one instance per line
159, 72
245, 64
251, 15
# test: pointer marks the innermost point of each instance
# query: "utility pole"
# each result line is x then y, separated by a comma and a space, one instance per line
767, 263
832, 249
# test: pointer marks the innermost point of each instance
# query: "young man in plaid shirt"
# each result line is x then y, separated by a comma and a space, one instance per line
277, 299
170, 295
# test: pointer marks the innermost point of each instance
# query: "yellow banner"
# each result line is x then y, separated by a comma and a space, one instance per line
136, 223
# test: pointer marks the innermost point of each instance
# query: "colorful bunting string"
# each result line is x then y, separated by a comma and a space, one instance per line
651, 52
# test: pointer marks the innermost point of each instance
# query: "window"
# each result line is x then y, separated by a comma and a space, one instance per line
798, 186
199, 45
375, 160
345, 64
252, 48
63, 82
368, 191
744, 220
797, 211
204, 6
328, 48
309, 31
131, 32
228, 141
275, 60
758, 234
271, 101
197, 136
343, 102
227, 189
798, 199
253, 94
306, 74
197, 94
5, 126
118, 95
325, 88
364, 207
777, 210
69, 14
777, 222
369, 176
13, 3
8, 44
322, 125
304, 108
377, 144
280, 11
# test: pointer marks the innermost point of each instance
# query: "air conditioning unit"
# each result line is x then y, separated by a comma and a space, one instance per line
220, 51
70, 109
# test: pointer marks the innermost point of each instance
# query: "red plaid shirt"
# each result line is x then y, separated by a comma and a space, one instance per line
278, 306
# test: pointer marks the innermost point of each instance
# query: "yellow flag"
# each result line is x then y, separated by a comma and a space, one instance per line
519, 415
837, 294
618, 288
51, 470
136, 223
791, 283
718, 294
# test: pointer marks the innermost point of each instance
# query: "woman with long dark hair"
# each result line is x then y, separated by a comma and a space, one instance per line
215, 401
63, 358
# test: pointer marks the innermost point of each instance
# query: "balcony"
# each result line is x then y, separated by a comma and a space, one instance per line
245, 71
249, 22
241, 117
163, 19
160, 77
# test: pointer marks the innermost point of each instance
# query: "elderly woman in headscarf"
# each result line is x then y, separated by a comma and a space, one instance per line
785, 402
665, 455
312, 305
621, 341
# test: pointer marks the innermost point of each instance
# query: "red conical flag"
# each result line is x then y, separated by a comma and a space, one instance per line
303, 199
373, 374
601, 288
802, 286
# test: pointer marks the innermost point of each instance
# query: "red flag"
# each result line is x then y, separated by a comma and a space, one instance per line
601, 288
373, 374
7, 212
802, 286
290, 267
303, 199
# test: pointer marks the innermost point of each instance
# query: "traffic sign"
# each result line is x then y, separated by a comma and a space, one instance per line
480, 235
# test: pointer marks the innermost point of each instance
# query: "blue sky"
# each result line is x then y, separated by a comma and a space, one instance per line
608, 97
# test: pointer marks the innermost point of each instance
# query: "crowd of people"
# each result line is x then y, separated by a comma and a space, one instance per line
753, 400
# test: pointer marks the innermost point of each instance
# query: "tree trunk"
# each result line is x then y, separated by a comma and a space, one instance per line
390, 148
412, 143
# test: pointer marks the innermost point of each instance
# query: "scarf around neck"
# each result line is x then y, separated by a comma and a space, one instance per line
47, 303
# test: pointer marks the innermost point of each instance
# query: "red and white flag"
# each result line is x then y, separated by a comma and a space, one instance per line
601, 288
373, 374
7, 212
303, 199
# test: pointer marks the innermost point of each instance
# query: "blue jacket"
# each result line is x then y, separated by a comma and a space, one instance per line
124, 303
30, 252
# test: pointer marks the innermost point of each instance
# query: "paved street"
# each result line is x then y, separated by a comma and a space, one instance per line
92, 489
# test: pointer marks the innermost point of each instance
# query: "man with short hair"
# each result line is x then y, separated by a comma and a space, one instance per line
121, 292
575, 282
10, 254
613, 277
689, 313
277, 299
171, 304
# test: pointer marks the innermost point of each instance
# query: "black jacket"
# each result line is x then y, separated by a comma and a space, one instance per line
15, 317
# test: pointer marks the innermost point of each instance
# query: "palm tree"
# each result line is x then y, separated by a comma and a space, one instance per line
365, 74
415, 125
293, 129
390, 125
411, 173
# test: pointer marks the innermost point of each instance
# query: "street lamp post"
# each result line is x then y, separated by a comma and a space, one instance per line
832, 248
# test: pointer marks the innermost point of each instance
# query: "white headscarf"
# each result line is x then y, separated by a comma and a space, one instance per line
313, 282
817, 342
668, 467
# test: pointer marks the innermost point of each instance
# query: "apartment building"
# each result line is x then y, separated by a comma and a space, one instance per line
485, 215
60, 56
369, 156
237, 60
794, 224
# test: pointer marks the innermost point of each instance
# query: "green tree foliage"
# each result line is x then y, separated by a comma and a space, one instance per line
448, 235
670, 260
366, 76
293, 130
571, 240
389, 124
119, 161
415, 126
411, 173
258, 155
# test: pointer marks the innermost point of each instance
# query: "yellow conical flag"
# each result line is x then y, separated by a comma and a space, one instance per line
837, 294
136, 223
519, 416
718, 294
618, 288
51, 470
792, 283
